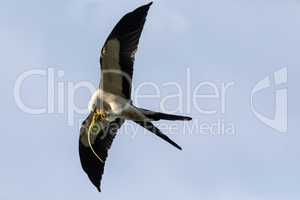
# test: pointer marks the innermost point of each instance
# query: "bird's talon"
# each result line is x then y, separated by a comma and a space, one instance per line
100, 116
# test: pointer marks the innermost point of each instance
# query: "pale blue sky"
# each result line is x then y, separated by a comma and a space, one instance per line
219, 41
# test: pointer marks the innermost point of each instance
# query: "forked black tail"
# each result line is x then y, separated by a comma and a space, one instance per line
155, 116
149, 126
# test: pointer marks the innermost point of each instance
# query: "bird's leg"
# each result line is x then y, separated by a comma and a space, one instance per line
97, 118
99, 115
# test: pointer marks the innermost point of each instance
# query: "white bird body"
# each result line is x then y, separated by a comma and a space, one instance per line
114, 106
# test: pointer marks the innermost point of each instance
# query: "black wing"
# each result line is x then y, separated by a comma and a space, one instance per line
117, 54
101, 144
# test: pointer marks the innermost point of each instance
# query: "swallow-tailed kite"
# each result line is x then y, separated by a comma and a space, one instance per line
111, 104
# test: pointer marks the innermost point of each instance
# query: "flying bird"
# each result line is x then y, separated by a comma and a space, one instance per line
111, 103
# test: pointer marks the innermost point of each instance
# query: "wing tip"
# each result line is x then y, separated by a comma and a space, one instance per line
98, 188
147, 6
